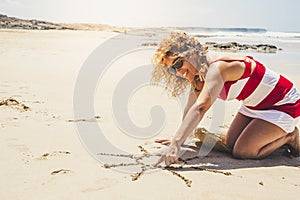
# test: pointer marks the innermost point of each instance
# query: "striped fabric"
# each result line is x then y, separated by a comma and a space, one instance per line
263, 90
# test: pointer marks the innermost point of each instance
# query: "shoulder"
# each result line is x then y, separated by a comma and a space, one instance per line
230, 71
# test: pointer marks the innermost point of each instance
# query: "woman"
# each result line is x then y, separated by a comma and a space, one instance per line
271, 104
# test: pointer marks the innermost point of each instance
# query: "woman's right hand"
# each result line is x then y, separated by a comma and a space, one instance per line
170, 155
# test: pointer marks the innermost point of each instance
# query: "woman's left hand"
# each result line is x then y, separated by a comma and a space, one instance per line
170, 156
166, 142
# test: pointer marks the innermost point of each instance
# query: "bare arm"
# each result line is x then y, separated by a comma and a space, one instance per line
191, 100
214, 81
193, 95
212, 87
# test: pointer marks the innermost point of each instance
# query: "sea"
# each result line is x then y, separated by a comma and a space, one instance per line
285, 60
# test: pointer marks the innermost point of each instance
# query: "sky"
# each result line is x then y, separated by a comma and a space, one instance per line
274, 15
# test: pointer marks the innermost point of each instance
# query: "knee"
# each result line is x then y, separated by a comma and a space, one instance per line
229, 142
231, 139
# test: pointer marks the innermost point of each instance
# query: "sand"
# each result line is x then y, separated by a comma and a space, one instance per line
43, 157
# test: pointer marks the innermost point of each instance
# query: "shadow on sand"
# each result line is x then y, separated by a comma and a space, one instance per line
219, 160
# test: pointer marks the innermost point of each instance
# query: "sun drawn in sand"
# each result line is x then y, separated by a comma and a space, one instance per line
138, 161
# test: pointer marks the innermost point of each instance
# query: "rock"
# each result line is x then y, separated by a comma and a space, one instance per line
266, 48
234, 46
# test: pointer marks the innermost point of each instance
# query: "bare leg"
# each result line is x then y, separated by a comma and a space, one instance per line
236, 128
259, 139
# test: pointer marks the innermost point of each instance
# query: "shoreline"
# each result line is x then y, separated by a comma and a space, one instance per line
217, 46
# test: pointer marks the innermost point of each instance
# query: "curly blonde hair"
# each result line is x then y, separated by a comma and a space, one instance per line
181, 45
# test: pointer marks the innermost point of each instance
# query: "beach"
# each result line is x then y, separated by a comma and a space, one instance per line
45, 151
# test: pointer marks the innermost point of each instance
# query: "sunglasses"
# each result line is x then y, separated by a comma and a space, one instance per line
176, 64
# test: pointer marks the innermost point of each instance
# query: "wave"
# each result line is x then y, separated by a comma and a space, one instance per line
239, 30
247, 33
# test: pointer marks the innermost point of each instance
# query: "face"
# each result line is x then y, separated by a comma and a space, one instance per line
187, 70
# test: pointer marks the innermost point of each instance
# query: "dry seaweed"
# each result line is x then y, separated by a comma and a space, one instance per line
13, 103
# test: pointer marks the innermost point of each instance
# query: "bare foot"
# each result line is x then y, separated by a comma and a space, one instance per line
202, 134
294, 145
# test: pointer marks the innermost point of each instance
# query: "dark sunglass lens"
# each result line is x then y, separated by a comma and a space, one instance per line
178, 64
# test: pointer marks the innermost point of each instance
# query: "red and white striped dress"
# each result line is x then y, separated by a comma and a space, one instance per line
265, 95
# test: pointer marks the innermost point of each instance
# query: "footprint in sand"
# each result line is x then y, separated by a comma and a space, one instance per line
54, 153
61, 171
94, 119
101, 184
